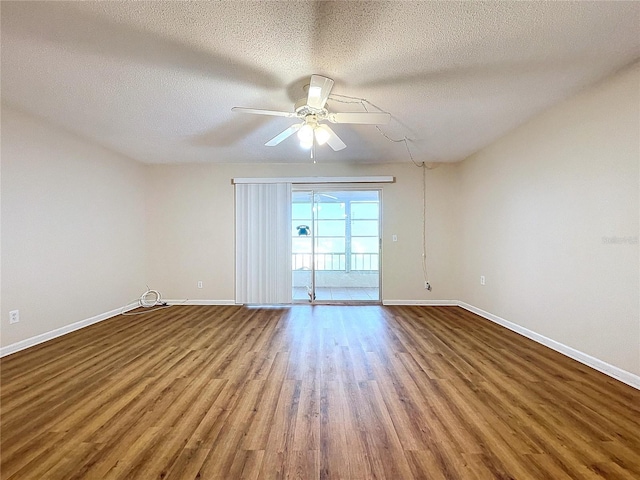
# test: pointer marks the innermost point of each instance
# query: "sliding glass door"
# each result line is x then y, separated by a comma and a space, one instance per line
335, 246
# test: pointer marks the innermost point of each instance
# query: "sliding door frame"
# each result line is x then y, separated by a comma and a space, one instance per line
341, 187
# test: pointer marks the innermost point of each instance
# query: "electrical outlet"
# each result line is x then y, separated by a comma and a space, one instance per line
427, 286
394, 238
481, 279
200, 284
14, 316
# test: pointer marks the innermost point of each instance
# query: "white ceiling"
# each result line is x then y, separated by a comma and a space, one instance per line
156, 81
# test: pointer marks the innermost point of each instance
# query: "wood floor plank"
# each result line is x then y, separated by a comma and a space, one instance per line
188, 464
300, 465
221, 462
307, 422
261, 427
280, 435
310, 392
386, 448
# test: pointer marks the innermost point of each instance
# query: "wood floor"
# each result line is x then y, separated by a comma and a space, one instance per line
359, 392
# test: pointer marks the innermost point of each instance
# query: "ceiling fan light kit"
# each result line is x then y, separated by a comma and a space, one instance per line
322, 134
305, 134
311, 110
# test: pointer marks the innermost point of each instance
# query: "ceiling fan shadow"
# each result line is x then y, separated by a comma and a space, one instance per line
229, 132
61, 24
341, 30
475, 72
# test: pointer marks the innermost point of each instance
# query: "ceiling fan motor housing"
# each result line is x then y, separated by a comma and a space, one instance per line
302, 109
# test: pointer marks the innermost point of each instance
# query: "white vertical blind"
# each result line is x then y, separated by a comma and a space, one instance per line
263, 243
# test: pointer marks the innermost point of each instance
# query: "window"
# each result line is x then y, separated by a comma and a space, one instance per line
346, 234
365, 228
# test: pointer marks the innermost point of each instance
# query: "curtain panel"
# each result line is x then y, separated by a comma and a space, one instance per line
263, 243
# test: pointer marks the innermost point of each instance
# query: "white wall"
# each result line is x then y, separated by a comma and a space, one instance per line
73, 237
534, 210
191, 227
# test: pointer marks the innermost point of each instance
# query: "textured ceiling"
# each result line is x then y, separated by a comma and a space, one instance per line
156, 81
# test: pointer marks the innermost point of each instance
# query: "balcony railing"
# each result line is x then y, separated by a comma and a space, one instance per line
337, 261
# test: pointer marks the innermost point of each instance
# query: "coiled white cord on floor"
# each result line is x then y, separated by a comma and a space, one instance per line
150, 298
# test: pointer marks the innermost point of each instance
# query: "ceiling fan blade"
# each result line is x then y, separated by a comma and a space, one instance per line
319, 90
282, 136
334, 140
367, 118
256, 111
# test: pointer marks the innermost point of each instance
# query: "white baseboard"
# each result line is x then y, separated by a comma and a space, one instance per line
43, 337
597, 364
199, 302
426, 303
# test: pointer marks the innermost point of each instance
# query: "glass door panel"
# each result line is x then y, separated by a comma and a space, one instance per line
336, 246
302, 246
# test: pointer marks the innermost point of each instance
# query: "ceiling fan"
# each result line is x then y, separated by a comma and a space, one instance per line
311, 110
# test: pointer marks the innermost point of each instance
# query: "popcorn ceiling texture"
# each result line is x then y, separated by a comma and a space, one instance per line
156, 81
